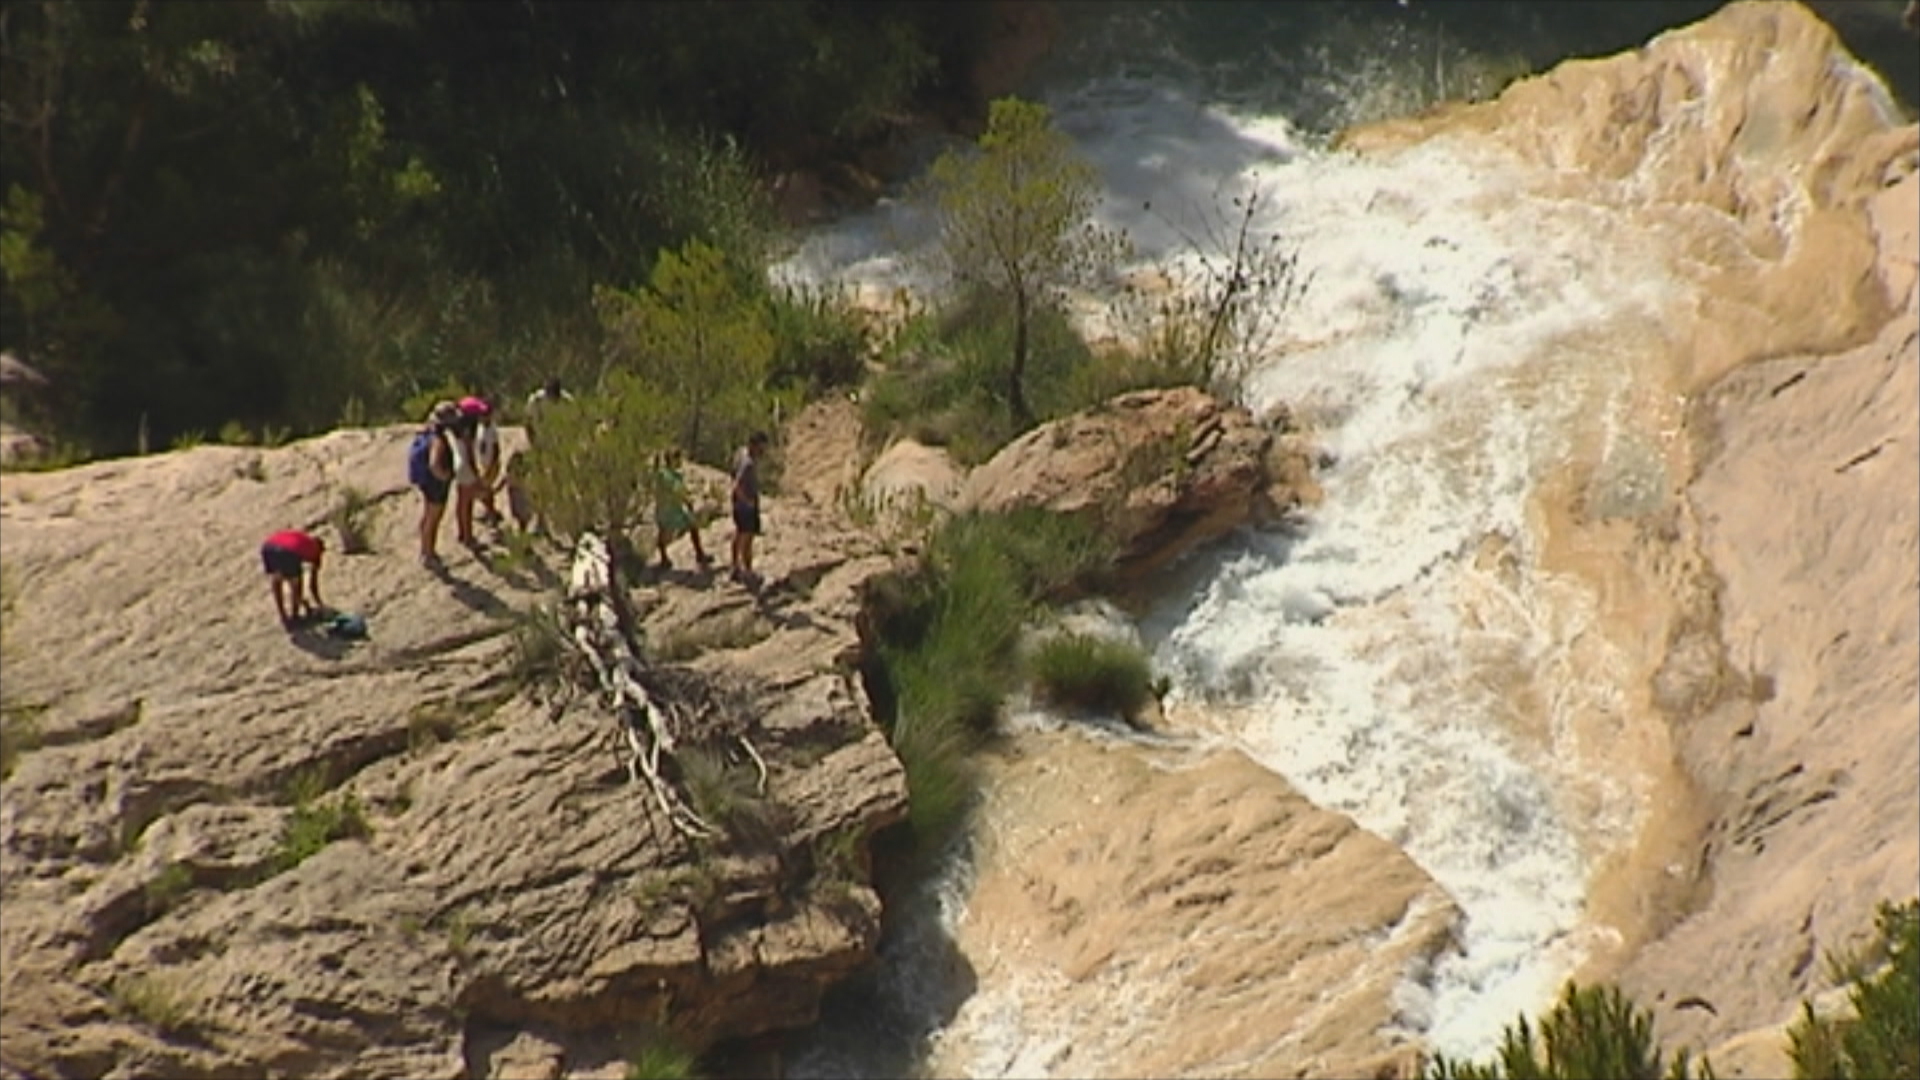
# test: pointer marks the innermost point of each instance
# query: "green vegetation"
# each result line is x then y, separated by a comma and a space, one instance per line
540, 648
280, 214
946, 637
700, 339
1084, 671
1595, 1031
944, 385
662, 1058
1014, 222
1882, 1037
591, 449
156, 1003
315, 823
1592, 1031
728, 795
726, 630
168, 887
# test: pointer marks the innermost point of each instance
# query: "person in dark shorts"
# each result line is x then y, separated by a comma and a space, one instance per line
285, 554
430, 468
746, 506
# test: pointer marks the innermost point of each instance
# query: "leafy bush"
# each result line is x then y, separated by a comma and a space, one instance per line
1882, 1037
1085, 671
820, 342
1592, 1032
699, 334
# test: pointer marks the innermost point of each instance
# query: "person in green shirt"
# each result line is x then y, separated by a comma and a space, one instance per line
672, 513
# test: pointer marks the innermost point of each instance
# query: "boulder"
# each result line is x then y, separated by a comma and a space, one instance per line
909, 479
1169, 470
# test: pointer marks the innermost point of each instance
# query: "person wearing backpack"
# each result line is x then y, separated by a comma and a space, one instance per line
430, 467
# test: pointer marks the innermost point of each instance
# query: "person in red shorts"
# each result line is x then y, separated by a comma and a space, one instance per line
284, 554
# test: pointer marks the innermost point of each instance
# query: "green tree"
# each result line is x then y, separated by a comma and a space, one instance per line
1593, 1031
1882, 1037
590, 471
698, 332
1014, 219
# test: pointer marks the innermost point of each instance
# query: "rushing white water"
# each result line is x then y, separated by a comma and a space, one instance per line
1401, 658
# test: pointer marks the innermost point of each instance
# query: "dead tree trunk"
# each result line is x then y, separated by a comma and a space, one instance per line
602, 629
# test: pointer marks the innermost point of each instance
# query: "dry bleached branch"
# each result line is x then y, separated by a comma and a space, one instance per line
601, 630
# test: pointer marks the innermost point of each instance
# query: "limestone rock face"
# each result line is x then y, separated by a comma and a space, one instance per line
1176, 468
510, 903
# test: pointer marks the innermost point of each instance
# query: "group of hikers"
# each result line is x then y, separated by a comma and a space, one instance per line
458, 454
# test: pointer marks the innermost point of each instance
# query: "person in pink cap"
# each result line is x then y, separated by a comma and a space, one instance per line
478, 477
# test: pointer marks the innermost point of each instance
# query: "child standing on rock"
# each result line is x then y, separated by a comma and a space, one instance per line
672, 514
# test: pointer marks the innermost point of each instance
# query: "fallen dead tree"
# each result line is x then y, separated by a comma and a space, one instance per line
659, 710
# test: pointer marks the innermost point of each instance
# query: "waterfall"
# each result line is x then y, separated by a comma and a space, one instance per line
1405, 655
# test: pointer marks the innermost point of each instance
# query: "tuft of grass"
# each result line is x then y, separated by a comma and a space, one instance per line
349, 517
1592, 1031
661, 1057
235, 433
156, 1003
19, 734
271, 436
168, 887
727, 795
314, 824
541, 649
459, 927
839, 857
187, 440
821, 342
1085, 671
1882, 1037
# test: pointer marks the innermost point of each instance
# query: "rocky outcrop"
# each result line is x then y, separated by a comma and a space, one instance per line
1190, 913
496, 894
1166, 470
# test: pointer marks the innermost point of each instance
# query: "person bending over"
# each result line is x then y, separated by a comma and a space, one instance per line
284, 554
